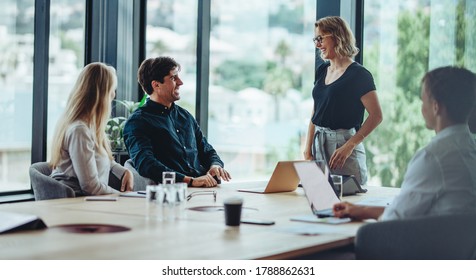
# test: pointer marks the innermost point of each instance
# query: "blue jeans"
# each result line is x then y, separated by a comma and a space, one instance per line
326, 141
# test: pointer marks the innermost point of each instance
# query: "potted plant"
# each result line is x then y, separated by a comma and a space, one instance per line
115, 128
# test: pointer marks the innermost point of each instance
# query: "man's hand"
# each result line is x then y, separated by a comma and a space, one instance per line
205, 181
127, 183
356, 212
220, 172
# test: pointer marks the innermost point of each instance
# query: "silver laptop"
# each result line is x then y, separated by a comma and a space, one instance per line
283, 179
318, 190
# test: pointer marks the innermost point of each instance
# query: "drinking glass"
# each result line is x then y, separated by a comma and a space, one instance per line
337, 182
151, 201
168, 177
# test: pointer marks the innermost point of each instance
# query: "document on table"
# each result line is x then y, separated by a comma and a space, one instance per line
314, 219
133, 194
311, 229
10, 222
375, 201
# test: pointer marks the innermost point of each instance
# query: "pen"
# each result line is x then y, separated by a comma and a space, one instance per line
141, 192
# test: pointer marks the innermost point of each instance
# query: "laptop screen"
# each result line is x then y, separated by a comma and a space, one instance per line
319, 192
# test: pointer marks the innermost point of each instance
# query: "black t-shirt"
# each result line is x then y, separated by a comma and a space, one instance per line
338, 105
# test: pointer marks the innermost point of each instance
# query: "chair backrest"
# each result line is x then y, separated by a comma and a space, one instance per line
45, 187
140, 182
446, 237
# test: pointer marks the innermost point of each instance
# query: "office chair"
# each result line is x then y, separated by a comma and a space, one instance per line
45, 187
140, 182
446, 237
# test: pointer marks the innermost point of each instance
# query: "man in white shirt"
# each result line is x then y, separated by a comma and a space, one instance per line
441, 177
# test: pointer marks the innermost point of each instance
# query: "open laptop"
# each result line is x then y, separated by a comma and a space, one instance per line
283, 179
319, 192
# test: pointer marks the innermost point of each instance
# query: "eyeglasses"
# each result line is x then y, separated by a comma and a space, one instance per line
214, 193
319, 38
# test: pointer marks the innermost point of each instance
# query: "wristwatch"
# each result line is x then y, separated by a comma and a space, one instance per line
190, 182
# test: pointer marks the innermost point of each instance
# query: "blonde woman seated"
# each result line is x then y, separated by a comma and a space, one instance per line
81, 155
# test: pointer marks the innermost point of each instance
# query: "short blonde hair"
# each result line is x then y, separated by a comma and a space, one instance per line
90, 102
340, 31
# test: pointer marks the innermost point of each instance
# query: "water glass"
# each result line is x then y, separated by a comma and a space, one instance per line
168, 177
338, 187
151, 201
180, 200
171, 201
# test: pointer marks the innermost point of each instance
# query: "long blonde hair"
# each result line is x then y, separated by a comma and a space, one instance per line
89, 101
341, 33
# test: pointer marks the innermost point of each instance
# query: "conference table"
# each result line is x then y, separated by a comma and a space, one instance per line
197, 235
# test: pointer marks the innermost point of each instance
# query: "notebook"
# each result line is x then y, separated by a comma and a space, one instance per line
318, 190
283, 179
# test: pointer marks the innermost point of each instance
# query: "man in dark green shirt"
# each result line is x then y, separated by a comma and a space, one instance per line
162, 136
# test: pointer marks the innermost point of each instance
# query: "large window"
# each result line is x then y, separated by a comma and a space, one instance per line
172, 31
403, 40
261, 72
66, 55
16, 79
261, 77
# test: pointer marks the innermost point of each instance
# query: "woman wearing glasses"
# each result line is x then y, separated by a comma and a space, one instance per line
342, 92
81, 156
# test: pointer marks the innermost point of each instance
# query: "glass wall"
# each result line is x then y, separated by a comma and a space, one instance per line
261, 74
16, 79
403, 40
67, 22
16, 95
172, 31
261, 77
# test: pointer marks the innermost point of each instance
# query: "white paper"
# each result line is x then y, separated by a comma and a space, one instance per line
9, 220
375, 201
101, 198
314, 219
134, 194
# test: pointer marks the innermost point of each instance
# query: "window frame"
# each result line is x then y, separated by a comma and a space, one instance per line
102, 43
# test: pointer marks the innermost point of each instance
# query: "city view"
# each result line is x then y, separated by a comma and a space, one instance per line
261, 74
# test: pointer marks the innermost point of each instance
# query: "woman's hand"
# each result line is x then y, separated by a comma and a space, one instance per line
340, 155
308, 154
127, 183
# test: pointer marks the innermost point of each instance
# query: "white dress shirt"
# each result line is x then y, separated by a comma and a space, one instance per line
440, 179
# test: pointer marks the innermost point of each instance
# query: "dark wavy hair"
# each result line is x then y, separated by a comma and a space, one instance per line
155, 69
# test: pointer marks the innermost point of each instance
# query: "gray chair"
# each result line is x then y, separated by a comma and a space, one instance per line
45, 187
431, 238
139, 182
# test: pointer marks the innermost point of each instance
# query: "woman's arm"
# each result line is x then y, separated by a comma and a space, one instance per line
309, 139
372, 105
374, 118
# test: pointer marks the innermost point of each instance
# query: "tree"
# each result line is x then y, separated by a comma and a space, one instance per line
394, 143
278, 81
236, 75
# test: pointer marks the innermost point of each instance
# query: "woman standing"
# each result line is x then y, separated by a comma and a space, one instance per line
81, 155
342, 92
